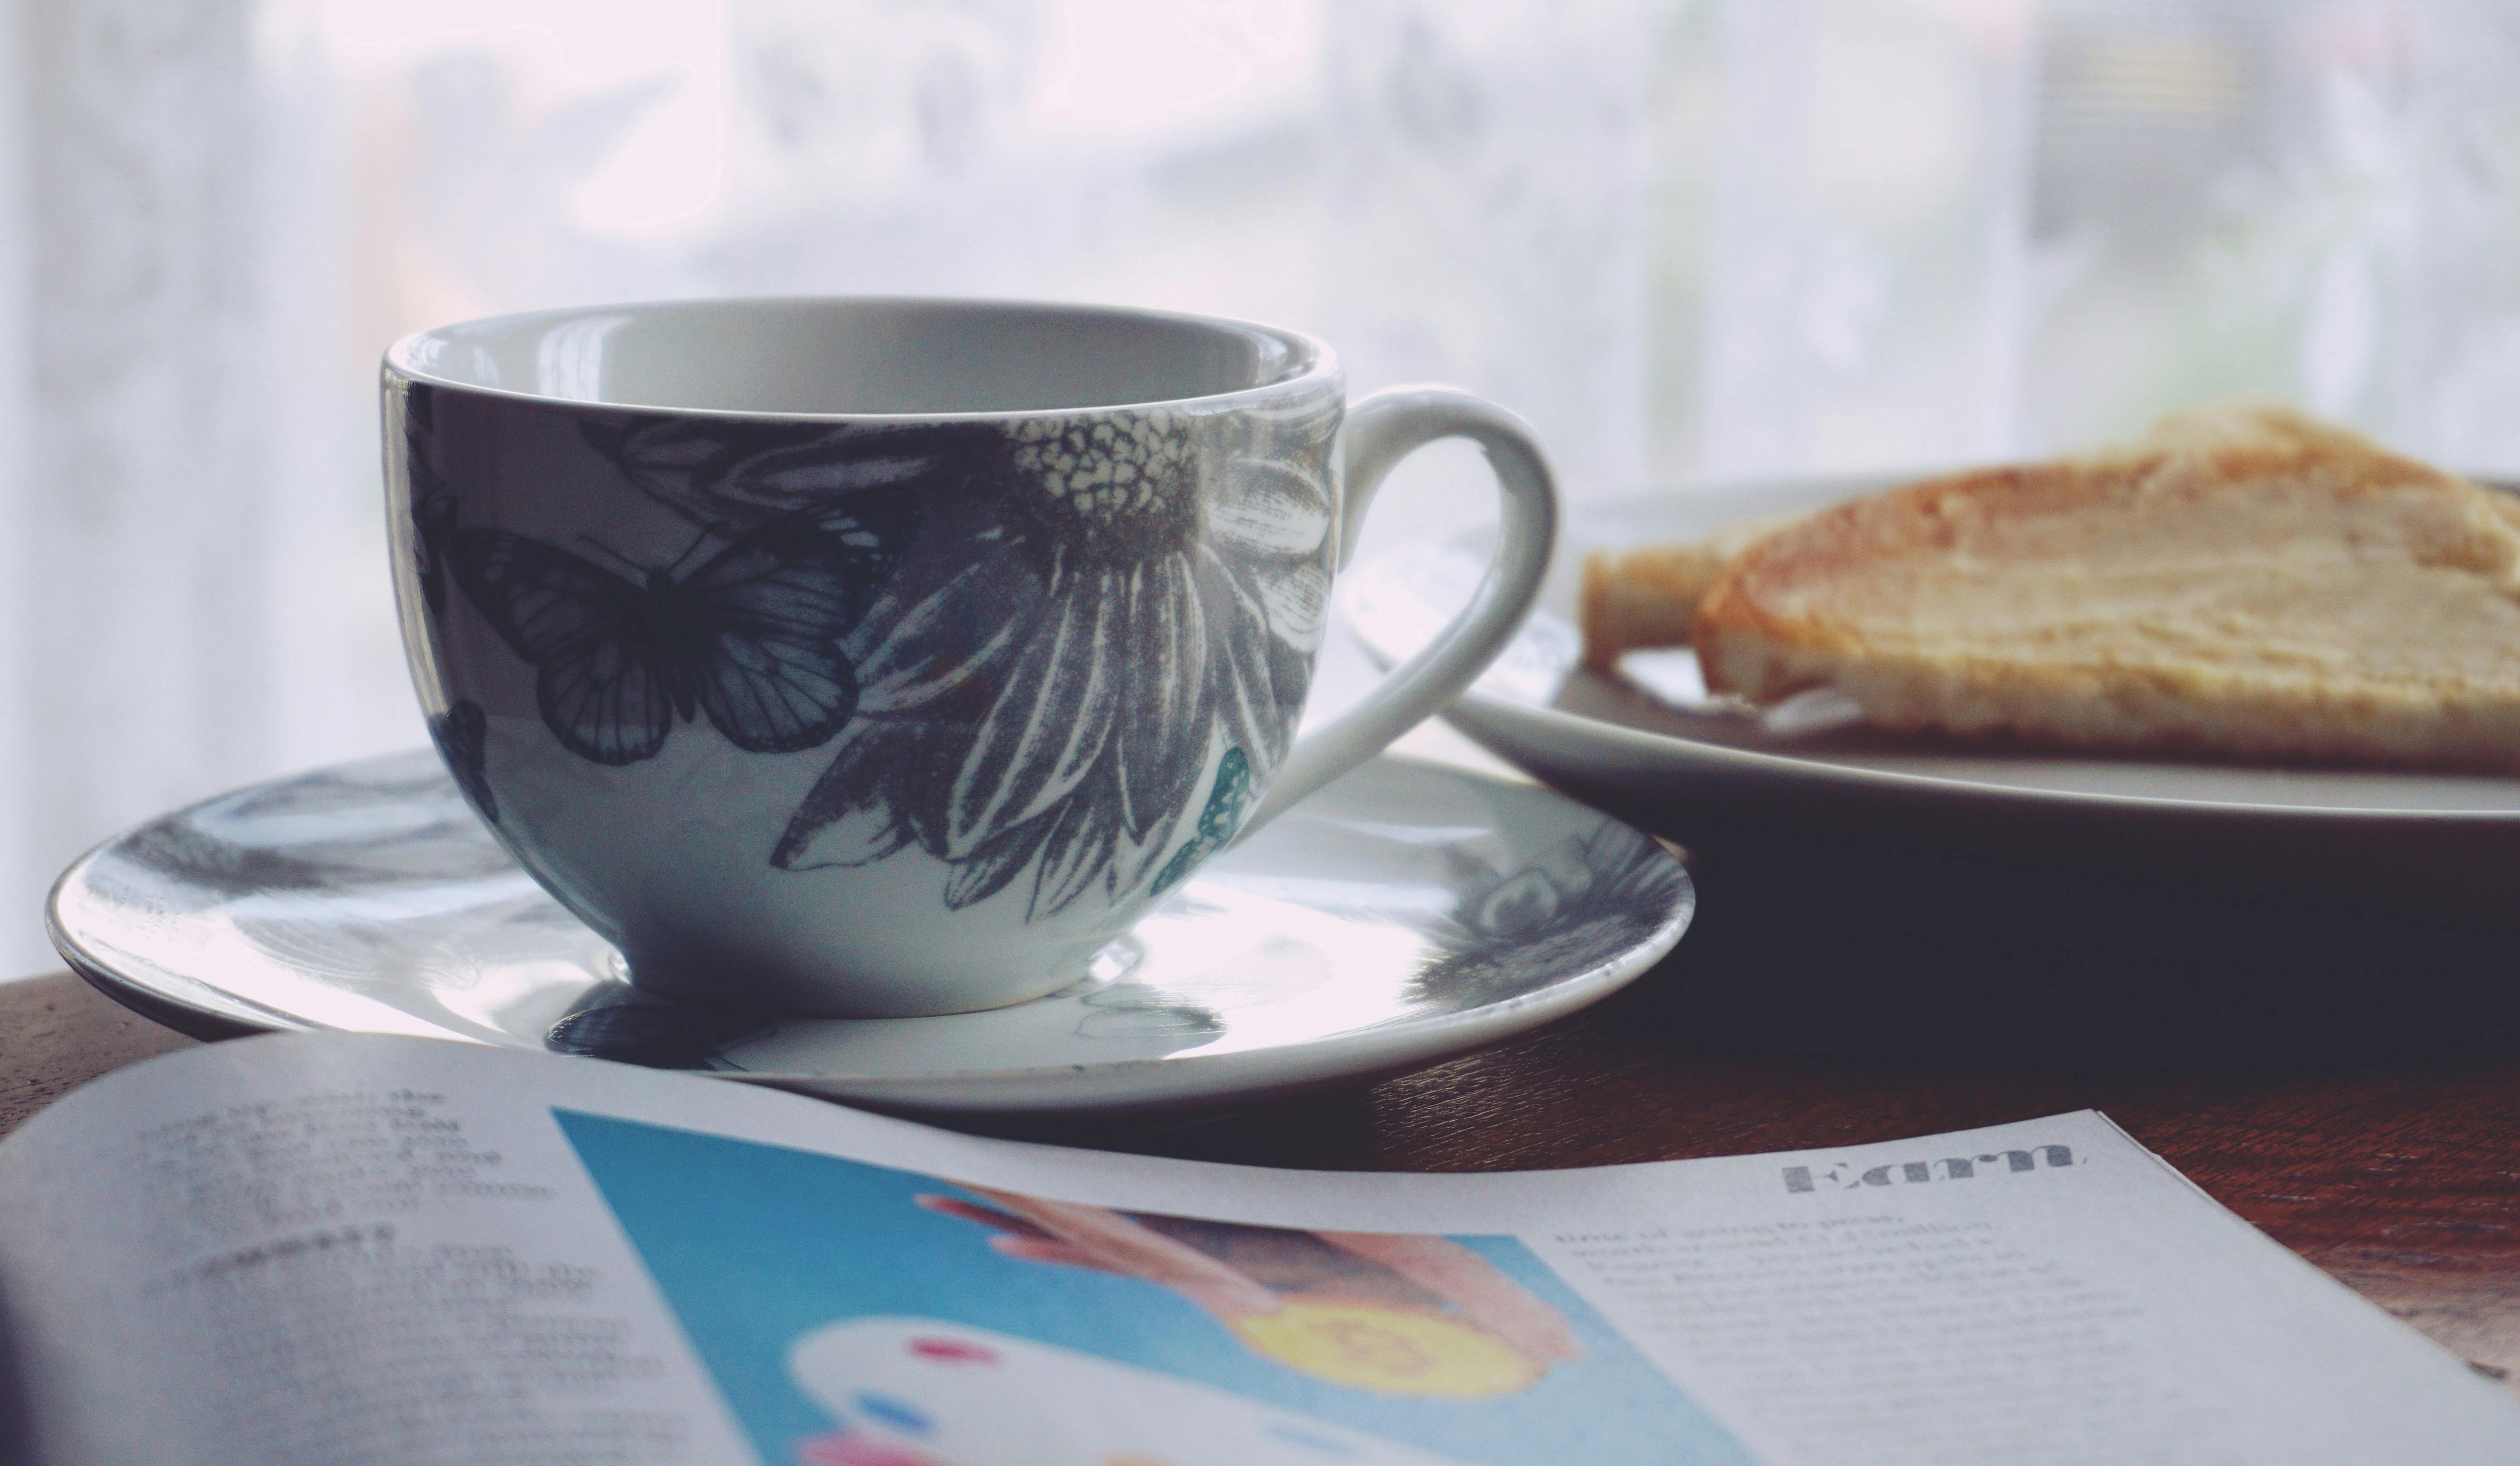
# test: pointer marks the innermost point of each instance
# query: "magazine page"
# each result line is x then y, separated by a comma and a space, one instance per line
326, 1249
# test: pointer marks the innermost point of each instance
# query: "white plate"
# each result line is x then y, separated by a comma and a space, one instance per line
1404, 914
1708, 775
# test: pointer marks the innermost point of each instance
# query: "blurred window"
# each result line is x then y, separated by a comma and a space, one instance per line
1687, 239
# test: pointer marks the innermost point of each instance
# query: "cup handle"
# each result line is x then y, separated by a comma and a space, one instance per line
1380, 431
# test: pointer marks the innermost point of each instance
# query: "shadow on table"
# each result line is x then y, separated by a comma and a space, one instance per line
1855, 952
1891, 957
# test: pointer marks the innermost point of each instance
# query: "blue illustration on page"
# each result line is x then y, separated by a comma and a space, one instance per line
857, 1315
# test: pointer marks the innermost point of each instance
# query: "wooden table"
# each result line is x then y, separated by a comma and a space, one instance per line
2402, 1179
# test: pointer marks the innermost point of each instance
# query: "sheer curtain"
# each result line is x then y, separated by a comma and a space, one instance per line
1688, 238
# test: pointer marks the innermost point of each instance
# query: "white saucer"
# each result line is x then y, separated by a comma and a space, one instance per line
1649, 746
1404, 914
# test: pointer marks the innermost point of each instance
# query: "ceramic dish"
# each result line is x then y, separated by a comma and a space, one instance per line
1405, 912
1649, 745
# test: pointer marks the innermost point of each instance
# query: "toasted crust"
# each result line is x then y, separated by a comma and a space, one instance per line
1642, 599
1648, 597
2246, 582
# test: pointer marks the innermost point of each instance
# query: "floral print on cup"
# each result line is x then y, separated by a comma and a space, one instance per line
1074, 674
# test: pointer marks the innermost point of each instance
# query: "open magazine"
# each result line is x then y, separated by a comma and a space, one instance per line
329, 1249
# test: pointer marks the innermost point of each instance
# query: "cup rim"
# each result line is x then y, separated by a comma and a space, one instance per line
1317, 361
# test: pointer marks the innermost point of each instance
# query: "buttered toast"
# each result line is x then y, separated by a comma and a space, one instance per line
2244, 582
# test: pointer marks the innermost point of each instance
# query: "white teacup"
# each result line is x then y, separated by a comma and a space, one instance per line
884, 657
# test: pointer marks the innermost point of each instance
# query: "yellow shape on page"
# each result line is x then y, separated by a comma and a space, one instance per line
1394, 1349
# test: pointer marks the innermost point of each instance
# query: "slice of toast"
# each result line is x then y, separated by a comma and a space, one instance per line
2244, 582
1639, 598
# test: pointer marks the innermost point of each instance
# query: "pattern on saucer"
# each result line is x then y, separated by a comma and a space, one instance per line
1405, 912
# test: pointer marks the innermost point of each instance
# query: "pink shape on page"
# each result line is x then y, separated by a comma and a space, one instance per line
846, 1449
953, 1351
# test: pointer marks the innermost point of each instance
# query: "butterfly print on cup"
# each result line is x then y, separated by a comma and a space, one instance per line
728, 482
432, 514
433, 499
750, 638
462, 735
